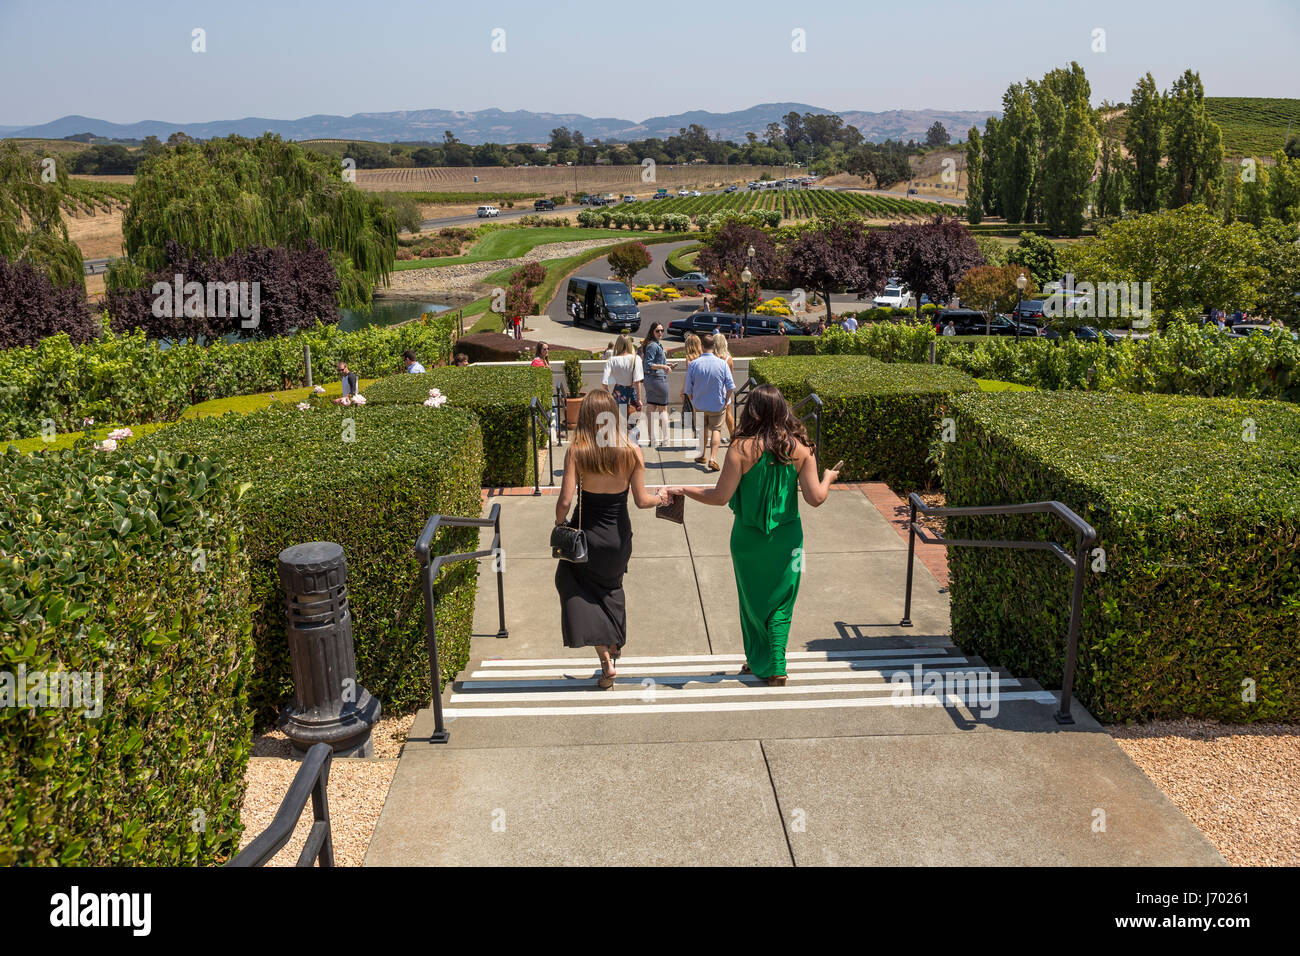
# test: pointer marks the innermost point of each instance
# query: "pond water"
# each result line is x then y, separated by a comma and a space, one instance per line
387, 312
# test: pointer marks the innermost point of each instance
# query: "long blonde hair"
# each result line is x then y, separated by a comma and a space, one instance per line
693, 348
600, 444
720, 347
623, 345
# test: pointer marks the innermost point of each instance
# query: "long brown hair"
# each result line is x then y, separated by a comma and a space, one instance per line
768, 418
600, 443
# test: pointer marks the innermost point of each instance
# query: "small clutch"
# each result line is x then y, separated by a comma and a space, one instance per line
675, 510
569, 544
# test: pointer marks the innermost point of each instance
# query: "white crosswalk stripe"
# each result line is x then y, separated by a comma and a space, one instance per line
683, 684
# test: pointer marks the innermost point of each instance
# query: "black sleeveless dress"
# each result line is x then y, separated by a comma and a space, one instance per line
592, 606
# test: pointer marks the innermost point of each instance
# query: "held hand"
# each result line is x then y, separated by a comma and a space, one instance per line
831, 477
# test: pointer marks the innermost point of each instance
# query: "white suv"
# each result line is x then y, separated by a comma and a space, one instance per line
486, 212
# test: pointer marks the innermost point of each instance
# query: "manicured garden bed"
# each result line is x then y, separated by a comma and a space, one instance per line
127, 582
366, 478
1196, 503
881, 418
498, 395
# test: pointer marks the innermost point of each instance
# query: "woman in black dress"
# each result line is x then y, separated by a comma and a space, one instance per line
593, 611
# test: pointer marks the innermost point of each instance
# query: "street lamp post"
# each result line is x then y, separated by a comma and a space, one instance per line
746, 278
1021, 282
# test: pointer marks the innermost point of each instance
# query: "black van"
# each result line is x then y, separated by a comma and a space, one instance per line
603, 303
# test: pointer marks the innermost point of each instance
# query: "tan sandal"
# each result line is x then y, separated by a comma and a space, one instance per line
778, 681
714, 466
606, 677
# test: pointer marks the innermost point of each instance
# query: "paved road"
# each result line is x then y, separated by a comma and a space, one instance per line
556, 325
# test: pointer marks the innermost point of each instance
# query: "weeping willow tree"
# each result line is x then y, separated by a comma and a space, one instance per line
224, 195
31, 218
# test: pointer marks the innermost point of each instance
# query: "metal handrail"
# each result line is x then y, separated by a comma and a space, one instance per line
311, 780
429, 568
1085, 538
536, 415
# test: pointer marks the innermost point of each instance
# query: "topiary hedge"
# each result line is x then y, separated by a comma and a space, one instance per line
1197, 610
804, 345
880, 418
498, 395
128, 378
887, 341
1184, 359
130, 573
366, 478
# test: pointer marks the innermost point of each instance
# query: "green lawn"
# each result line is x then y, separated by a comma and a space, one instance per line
512, 243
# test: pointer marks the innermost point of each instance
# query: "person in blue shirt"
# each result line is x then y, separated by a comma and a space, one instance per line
412, 365
709, 386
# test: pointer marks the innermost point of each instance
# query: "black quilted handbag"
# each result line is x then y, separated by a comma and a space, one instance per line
570, 544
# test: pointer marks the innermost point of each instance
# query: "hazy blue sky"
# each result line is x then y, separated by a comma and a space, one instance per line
130, 60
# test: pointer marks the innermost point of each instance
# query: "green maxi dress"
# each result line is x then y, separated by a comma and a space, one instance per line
767, 556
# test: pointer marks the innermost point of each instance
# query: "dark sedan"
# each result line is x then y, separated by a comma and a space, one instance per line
974, 322
730, 324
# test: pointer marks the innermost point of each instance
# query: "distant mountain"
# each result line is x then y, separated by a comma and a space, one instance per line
518, 126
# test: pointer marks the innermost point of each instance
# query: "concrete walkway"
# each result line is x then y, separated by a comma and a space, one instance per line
887, 746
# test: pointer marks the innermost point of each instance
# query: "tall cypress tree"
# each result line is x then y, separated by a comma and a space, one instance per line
1072, 163
1050, 110
1019, 153
1110, 177
991, 173
1145, 141
1195, 143
974, 177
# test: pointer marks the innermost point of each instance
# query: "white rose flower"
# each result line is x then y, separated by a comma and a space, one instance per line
431, 402
358, 399
318, 390
303, 406
107, 444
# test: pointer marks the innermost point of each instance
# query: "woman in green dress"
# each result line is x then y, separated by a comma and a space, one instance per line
769, 461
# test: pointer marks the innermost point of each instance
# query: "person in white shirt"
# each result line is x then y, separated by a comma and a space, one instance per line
850, 323
412, 366
950, 329
624, 375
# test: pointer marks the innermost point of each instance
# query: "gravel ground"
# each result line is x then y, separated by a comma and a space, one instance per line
357, 790
466, 276
1240, 784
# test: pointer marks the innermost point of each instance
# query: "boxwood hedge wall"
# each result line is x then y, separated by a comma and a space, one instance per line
880, 418
366, 478
132, 571
1197, 610
128, 379
498, 395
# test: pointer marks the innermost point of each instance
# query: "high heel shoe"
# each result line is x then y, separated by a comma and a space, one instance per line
606, 677
778, 681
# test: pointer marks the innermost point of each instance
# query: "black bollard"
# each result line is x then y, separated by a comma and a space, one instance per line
329, 706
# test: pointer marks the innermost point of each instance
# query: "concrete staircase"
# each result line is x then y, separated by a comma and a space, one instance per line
888, 745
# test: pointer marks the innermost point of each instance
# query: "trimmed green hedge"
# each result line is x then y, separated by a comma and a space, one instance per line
1184, 359
887, 341
1201, 538
371, 494
804, 345
498, 395
128, 379
880, 418
131, 573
